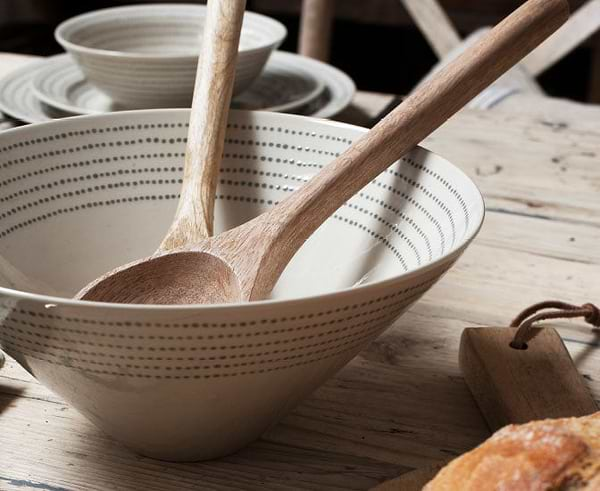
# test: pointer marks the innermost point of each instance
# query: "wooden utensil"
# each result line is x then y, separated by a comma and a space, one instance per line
516, 383
244, 263
521, 385
194, 217
208, 121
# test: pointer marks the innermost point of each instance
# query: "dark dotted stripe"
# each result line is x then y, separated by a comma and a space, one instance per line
262, 185
266, 158
283, 146
89, 190
94, 204
103, 145
203, 325
433, 198
156, 197
419, 207
373, 332
149, 126
392, 227
356, 340
439, 202
93, 131
128, 357
178, 140
302, 180
377, 236
402, 216
13, 325
445, 183
288, 131
255, 172
381, 238
393, 172
101, 161
305, 350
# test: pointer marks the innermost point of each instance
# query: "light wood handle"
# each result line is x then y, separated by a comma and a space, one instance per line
419, 115
208, 121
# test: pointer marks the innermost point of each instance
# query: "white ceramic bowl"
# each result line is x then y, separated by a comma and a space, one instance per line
145, 56
80, 196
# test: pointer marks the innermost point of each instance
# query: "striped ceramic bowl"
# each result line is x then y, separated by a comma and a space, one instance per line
145, 56
80, 196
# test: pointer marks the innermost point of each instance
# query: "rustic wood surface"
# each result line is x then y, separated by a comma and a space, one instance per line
402, 403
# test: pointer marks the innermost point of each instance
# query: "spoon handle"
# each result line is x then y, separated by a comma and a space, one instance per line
208, 120
291, 222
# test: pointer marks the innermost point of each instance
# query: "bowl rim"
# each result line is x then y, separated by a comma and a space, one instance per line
59, 33
451, 255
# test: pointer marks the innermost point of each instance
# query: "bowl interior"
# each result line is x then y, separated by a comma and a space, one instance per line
160, 30
83, 195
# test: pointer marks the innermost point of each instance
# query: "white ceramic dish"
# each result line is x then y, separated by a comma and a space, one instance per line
283, 86
145, 56
18, 100
83, 195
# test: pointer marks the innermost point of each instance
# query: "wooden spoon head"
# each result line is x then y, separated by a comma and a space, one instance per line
172, 278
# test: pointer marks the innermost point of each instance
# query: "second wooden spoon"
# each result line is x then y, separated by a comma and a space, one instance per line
244, 263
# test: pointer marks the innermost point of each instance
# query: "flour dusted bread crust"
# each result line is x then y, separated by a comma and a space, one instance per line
548, 455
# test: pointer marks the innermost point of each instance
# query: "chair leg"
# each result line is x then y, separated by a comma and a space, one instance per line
433, 22
582, 24
315, 28
594, 87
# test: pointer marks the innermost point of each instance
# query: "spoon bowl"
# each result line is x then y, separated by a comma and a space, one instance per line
176, 278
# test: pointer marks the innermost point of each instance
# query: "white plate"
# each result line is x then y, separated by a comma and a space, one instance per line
16, 97
282, 87
18, 100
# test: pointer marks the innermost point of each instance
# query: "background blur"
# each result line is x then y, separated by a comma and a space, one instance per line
374, 41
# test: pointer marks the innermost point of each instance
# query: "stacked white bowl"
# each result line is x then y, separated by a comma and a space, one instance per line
145, 56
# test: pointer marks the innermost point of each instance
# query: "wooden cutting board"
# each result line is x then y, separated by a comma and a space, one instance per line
512, 385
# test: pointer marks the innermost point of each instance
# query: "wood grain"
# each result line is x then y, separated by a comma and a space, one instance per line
316, 23
208, 121
411, 481
515, 386
435, 25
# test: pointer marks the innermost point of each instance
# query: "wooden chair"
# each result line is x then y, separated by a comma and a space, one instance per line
439, 31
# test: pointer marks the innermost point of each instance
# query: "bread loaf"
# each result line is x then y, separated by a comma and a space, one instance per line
547, 455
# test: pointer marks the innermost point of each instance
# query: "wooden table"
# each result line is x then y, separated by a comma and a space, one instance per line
402, 403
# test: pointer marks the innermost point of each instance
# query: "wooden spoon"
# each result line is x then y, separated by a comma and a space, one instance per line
208, 122
213, 88
244, 263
